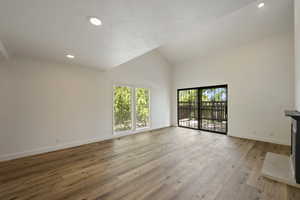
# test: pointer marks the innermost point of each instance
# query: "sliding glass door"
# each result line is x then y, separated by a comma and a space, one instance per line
203, 108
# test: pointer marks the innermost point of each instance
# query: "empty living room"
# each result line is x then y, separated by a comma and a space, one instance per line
150, 100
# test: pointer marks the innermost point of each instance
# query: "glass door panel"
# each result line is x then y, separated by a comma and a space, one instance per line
188, 108
213, 109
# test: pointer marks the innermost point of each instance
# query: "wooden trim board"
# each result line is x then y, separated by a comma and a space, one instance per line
278, 168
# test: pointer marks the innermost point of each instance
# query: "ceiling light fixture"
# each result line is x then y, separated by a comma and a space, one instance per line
70, 56
95, 21
261, 5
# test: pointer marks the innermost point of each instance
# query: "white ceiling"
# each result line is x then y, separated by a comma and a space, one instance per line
240, 27
49, 29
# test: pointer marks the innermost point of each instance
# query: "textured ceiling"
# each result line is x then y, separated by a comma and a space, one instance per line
49, 29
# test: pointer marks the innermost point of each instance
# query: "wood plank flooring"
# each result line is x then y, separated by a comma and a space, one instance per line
172, 163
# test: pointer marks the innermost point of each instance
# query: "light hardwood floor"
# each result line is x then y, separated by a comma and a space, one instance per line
172, 163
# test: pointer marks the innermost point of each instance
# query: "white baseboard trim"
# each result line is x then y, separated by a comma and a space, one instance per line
251, 137
263, 139
48, 149
89, 141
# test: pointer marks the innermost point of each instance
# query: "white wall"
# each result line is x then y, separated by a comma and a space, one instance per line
297, 54
260, 80
46, 106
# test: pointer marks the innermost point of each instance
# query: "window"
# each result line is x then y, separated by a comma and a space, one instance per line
142, 107
203, 108
131, 108
122, 108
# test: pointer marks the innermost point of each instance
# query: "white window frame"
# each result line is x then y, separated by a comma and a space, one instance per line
134, 128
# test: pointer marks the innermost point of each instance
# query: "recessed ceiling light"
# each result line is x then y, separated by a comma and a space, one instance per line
70, 56
95, 21
261, 4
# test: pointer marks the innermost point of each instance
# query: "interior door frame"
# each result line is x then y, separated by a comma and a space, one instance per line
199, 106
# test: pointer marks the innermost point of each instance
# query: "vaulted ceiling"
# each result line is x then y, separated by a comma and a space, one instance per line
51, 29
233, 30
